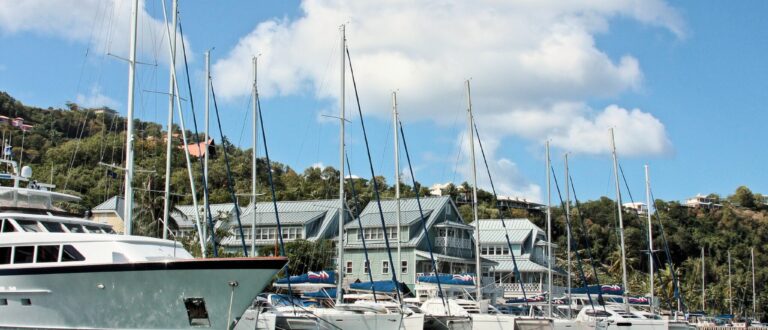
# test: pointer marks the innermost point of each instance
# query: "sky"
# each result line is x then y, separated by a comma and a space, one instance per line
682, 83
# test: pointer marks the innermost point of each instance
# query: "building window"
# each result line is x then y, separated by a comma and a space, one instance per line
404, 266
366, 267
349, 267
292, 233
495, 250
378, 233
385, 267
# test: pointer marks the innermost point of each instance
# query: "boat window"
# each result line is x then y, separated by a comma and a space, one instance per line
71, 254
47, 253
8, 226
94, 229
23, 254
74, 228
109, 230
598, 313
52, 227
5, 255
29, 225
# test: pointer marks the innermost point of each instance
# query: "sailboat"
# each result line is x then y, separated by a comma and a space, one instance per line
52, 263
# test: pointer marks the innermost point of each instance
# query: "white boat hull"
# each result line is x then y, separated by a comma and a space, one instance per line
147, 295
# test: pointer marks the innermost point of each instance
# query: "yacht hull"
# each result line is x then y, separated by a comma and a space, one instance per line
335, 319
492, 321
146, 295
441, 322
526, 323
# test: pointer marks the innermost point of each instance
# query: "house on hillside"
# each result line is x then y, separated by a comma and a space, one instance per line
451, 238
311, 220
200, 149
529, 245
182, 218
110, 212
704, 202
637, 207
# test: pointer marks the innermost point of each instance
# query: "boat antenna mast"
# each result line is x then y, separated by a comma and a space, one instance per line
621, 223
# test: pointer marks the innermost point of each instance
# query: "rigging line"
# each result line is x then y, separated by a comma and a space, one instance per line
587, 244
373, 178
459, 150
88, 48
642, 228
677, 292
516, 270
274, 198
576, 250
229, 171
245, 121
362, 233
197, 141
424, 223
386, 147
80, 133
501, 215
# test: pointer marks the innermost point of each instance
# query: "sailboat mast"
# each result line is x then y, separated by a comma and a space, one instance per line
754, 291
621, 223
568, 232
650, 233
254, 141
128, 196
341, 166
470, 132
207, 125
395, 120
703, 283
549, 235
730, 290
169, 134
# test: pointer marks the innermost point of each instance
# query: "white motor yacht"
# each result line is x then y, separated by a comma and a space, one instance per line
62, 271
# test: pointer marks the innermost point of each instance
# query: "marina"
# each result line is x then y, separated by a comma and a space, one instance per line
416, 208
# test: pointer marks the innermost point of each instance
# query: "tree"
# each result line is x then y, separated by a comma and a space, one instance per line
743, 197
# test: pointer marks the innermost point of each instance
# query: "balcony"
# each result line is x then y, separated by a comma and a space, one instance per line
531, 289
453, 242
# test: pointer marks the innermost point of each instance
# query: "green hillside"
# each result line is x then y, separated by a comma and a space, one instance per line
65, 147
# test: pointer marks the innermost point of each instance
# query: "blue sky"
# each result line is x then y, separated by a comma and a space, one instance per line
683, 82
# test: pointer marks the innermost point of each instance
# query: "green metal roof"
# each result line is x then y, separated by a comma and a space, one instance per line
370, 220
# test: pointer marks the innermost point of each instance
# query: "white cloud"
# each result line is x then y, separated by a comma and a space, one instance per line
534, 66
95, 99
507, 178
524, 57
103, 24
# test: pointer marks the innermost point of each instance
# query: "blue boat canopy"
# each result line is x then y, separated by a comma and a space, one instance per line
449, 279
379, 286
603, 289
323, 277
